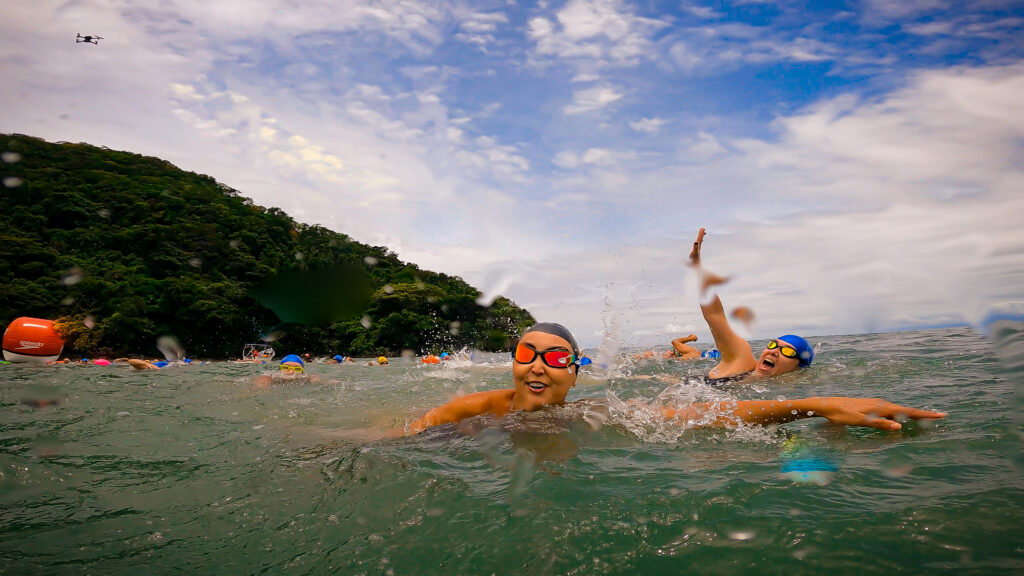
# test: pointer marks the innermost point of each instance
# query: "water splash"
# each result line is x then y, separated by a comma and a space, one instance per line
646, 419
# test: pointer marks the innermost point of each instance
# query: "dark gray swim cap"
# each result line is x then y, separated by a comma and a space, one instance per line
556, 330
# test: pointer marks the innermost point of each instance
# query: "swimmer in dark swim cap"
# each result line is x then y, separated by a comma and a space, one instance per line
546, 362
780, 355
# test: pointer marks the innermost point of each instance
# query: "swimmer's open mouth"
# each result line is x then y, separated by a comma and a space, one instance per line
768, 362
536, 386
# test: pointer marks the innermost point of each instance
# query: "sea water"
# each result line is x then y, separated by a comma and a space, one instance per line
202, 470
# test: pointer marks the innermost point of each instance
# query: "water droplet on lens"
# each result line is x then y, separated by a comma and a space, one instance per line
89, 322
170, 348
299, 255
370, 260
388, 289
273, 336
366, 322
12, 181
103, 213
741, 535
195, 263
10, 157
71, 276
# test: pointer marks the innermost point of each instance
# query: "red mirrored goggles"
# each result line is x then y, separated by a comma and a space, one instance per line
554, 357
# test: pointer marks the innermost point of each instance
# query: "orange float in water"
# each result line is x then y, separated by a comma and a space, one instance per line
431, 359
31, 340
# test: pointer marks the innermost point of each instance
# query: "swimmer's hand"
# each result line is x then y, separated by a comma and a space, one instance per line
870, 412
707, 279
695, 253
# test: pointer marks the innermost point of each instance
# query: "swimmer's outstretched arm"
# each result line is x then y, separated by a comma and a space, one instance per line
492, 401
869, 412
737, 355
684, 349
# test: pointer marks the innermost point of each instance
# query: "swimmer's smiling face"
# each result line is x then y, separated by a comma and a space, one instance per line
537, 384
773, 363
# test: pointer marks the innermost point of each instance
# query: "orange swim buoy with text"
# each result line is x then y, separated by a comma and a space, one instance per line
31, 340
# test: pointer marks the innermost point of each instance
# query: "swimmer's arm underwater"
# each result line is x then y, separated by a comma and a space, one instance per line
497, 402
869, 412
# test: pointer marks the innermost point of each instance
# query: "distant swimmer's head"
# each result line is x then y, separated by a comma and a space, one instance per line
382, 360
338, 358
542, 366
784, 354
292, 363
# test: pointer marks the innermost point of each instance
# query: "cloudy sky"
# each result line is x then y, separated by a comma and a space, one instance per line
859, 167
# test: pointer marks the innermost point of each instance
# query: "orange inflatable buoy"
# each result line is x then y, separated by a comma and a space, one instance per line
31, 340
431, 359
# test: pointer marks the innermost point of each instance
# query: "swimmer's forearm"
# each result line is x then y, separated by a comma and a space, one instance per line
460, 409
869, 412
776, 411
433, 418
727, 414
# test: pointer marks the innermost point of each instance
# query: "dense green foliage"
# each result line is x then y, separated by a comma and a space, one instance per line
123, 248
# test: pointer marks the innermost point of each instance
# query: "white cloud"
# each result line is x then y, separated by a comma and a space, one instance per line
706, 147
605, 32
599, 156
480, 28
648, 125
592, 99
566, 159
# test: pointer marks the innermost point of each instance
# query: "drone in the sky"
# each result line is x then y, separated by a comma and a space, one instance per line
90, 39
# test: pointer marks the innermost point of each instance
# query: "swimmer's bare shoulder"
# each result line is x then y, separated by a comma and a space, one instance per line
142, 364
497, 402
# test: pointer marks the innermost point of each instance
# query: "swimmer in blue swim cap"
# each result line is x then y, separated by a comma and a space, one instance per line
546, 361
780, 355
292, 363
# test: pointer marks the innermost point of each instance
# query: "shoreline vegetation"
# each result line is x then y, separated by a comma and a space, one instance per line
121, 249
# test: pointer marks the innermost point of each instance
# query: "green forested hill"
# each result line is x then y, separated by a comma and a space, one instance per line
123, 248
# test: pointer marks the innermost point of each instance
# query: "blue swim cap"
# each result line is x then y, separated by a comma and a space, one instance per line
803, 349
293, 358
712, 353
161, 364
444, 354
338, 358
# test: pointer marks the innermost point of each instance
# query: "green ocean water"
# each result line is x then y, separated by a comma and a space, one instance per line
197, 470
